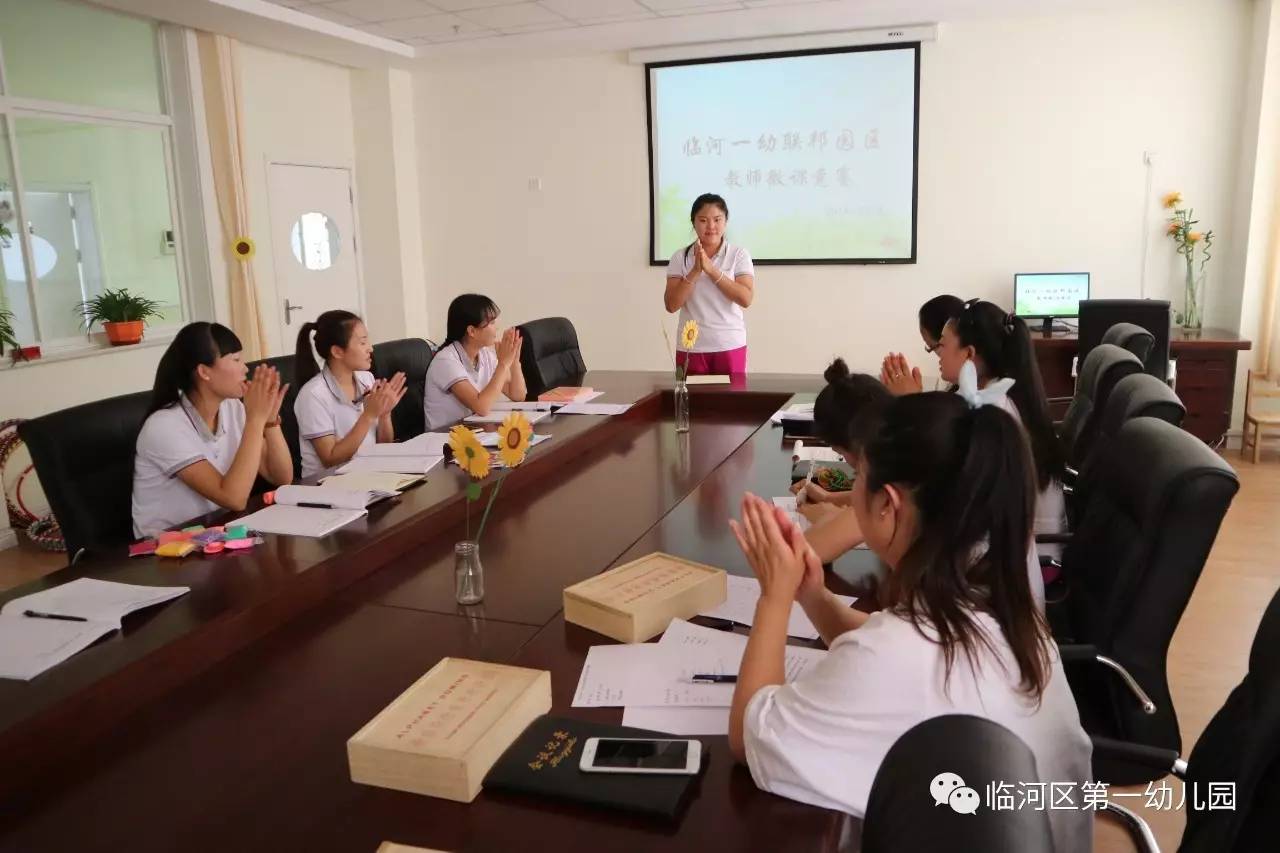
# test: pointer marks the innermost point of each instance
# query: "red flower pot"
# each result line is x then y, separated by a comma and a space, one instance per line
122, 334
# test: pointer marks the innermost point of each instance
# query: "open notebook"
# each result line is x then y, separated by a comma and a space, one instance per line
41, 630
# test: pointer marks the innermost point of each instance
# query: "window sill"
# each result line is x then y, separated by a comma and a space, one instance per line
97, 346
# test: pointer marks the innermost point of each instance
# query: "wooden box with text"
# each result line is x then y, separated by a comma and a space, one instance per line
441, 736
636, 602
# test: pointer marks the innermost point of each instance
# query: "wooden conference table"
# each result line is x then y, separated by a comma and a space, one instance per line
219, 721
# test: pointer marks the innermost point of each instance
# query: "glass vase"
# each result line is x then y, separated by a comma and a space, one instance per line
682, 406
468, 574
1193, 299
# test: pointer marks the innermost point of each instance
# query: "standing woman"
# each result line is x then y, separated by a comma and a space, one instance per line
710, 282
341, 408
208, 433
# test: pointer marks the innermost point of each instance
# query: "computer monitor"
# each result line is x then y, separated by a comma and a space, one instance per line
1049, 295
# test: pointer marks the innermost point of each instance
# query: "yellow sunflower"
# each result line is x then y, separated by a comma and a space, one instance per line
513, 439
1172, 199
471, 455
689, 335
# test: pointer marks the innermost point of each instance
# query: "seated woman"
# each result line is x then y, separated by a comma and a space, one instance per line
341, 408
944, 494
896, 374
208, 432
473, 368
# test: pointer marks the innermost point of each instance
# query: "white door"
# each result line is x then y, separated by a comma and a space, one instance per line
313, 243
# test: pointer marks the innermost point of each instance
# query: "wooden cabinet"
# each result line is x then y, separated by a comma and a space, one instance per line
1205, 380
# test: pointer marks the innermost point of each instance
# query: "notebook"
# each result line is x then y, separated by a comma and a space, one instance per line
285, 520
708, 379
329, 496
544, 762
498, 416
568, 394
30, 645
373, 481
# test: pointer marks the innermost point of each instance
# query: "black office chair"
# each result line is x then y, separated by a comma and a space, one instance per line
903, 813
551, 356
1097, 316
288, 418
1241, 745
1139, 395
84, 458
1132, 562
1105, 366
413, 357
1135, 339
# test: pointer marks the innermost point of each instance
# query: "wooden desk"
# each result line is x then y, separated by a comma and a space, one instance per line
1206, 375
219, 721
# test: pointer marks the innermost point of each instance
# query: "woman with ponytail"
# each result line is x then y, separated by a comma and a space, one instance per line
208, 434
341, 408
999, 346
944, 493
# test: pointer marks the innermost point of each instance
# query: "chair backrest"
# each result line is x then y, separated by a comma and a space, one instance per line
903, 812
413, 357
1157, 498
1139, 395
1099, 315
1241, 744
1135, 339
1258, 387
285, 364
84, 458
1104, 367
551, 356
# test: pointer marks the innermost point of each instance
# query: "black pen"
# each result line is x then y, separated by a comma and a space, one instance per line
707, 678
37, 615
316, 506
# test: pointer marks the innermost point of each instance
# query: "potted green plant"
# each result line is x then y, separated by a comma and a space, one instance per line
8, 337
122, 314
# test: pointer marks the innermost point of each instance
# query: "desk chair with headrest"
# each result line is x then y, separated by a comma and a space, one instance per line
1098, 316
1104, 367
1134, 338
84, 458
551, 356
284, 364
412, 356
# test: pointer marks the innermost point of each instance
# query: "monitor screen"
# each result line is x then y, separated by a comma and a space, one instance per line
1049, 294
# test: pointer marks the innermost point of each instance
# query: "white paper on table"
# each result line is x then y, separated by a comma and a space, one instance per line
789, 505
694, 640
650, 674
29, 646
796, 411
94, 600
388, 464
815, 454
300, 521
708, 379
372, 481
678, 721
498, 416
426, 444
490, 439
329, 496
609, 409
514, 406
740, 607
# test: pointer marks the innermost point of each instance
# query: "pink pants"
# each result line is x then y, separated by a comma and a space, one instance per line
732, 362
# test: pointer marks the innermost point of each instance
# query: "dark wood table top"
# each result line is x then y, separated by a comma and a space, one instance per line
219, 721
1180, 340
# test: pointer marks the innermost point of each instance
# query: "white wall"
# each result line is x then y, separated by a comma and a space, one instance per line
1032, 136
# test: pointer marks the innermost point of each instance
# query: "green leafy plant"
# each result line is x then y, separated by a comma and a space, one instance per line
8, 337
117, 306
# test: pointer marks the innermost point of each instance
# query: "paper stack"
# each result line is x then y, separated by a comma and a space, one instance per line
653, 681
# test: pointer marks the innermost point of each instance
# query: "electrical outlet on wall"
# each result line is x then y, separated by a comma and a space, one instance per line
166, 242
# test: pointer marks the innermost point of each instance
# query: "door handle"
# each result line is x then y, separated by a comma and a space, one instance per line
288, 310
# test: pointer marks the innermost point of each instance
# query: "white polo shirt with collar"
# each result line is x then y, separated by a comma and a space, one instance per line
722, 325
449, 367
172, 439
322, 408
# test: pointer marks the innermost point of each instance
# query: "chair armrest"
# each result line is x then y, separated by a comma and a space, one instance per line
1081, 653
1053, 538
1139, 832
1155, 757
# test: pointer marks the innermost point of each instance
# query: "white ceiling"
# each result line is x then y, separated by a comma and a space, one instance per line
429, 22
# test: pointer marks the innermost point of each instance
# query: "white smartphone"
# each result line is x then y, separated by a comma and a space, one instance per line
640, 755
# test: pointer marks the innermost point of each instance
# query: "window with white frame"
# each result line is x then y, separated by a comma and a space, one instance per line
87, 184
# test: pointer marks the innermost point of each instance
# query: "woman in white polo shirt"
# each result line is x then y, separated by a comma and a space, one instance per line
710, 282
341, 408
474, 367
208, 434
944, 494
